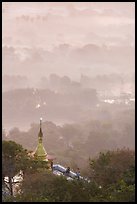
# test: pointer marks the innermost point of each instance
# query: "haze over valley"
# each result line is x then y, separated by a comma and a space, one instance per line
73, 64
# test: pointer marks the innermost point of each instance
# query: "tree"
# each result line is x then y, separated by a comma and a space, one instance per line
109, 167
44, 186
12, 156
16, 158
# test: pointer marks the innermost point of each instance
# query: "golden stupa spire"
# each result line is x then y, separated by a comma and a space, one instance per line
40, 152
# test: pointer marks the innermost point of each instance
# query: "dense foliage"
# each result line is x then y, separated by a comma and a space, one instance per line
14, 159
111, 174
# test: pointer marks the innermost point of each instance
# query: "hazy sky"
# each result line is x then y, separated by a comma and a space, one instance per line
73, 23
46, 25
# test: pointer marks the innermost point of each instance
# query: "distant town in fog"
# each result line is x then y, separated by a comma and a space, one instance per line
64, 60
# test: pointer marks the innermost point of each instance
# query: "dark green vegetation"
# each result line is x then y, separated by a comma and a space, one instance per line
14, 159
112, 176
